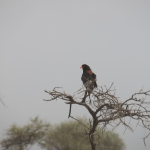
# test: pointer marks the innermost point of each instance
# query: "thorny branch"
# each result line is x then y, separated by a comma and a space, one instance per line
106, 108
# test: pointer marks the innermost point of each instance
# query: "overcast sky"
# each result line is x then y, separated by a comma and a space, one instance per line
43, 43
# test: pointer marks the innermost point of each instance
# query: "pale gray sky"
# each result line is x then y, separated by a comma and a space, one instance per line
43, 43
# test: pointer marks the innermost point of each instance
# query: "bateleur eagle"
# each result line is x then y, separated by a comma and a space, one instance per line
88, 78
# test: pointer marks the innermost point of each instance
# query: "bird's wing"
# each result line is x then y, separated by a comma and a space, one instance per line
89, 72
94, 79
85, 77
94, 76
89, 80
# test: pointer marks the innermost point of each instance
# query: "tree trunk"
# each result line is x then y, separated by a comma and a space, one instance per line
91, 134
93, 145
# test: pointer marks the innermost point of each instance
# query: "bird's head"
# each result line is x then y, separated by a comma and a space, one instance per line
85, 68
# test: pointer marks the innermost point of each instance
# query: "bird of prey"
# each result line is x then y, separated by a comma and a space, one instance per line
88, 78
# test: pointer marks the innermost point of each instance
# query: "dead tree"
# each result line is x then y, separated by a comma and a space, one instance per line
107, 110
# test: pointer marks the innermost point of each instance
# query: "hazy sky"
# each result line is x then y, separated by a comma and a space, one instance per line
43, 43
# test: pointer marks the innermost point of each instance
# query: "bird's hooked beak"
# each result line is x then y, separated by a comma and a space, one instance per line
81, 67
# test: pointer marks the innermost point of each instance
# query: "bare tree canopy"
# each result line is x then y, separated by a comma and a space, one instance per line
107, 110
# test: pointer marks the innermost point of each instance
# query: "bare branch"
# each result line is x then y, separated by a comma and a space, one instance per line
107, 109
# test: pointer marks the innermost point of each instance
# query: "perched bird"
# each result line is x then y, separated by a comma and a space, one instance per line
88, 78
